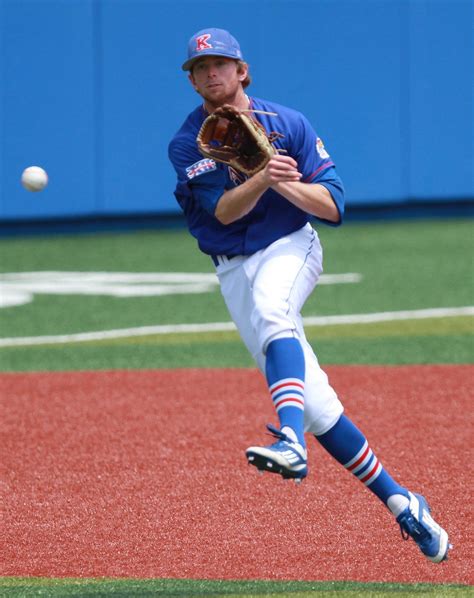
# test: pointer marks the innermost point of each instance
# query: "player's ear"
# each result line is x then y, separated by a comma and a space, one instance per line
242, 70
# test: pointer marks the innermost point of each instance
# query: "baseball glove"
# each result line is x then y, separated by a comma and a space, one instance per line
230, 136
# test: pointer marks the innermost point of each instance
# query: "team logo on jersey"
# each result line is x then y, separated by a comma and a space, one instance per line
237, 178
201, 42
320, 149
200, 167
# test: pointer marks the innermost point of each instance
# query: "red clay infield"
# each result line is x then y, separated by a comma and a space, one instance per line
143, 474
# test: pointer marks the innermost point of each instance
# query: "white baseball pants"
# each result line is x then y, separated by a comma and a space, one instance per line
264, 294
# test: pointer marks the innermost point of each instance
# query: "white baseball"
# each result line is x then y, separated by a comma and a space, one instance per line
34, 178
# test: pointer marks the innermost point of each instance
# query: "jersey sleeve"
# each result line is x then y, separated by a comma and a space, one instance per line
316, 165
309, 151
200, 179
330, 179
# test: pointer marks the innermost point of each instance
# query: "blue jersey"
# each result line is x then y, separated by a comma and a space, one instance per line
202, 181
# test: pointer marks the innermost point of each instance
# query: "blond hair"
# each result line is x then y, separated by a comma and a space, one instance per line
248, 79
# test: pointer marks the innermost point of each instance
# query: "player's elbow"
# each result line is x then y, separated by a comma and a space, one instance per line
334, 216
228, 211
223, 216
335, 203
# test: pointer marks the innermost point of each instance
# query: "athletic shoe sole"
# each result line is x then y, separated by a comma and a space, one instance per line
265, 459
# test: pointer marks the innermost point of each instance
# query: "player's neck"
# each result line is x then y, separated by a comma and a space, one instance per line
240, 101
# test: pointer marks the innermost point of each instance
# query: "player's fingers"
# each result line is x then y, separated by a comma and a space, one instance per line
282, 161
283, 171
285, 177
291, 176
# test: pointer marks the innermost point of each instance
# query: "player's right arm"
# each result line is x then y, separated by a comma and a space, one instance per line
239, 201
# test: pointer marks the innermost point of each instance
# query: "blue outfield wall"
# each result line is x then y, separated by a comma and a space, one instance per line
92, 90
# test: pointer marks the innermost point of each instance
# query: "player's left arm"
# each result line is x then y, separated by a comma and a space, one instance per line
320, 191
313, 198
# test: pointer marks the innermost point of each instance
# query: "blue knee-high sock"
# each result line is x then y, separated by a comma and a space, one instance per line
346, 443
285, 371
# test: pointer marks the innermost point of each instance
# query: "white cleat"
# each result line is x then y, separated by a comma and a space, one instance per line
285, 457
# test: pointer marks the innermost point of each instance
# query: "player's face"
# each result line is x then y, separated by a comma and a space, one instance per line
217, 79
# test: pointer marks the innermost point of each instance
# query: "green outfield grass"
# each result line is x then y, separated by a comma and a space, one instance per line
18, 587
403, 265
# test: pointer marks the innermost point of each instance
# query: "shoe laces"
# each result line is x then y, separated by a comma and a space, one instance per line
410, 526
276, 433
284, 442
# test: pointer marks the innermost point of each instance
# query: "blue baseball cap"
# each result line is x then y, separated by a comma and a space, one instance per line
212, 42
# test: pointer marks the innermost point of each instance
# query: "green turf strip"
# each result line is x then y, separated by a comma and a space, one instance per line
244, 589
448, 340
419, 350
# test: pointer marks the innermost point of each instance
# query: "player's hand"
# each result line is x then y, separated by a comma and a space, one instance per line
280, 169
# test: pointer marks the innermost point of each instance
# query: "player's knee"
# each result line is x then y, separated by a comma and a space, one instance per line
321, 412
272, 322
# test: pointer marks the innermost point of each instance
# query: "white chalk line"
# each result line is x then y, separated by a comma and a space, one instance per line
20, 288
387, 316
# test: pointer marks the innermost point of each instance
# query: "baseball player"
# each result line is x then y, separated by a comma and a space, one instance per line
268, 260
